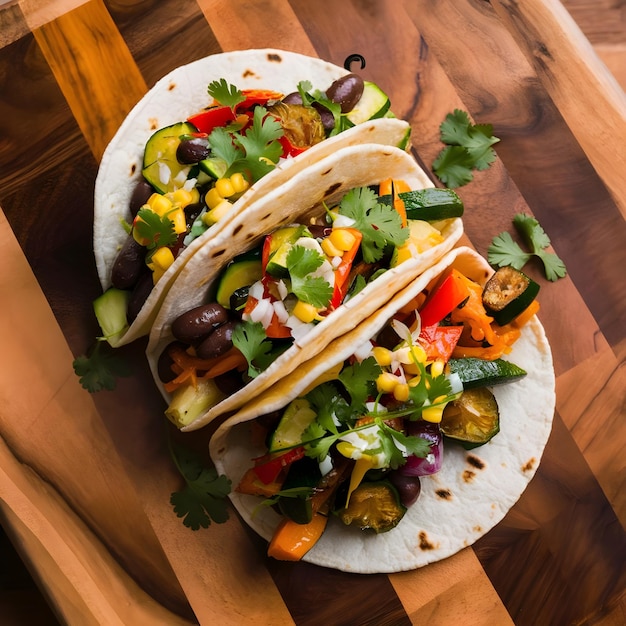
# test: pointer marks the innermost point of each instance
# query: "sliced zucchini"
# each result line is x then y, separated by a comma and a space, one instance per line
473, 419
281, 242
110, 309
475, 372
430, 204
160, 165
508, 293
374, 103
236, 275
297, 417
373, 506
214, 167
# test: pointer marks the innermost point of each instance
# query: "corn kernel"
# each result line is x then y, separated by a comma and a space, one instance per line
179, 220
382, 356
212, 198
159, 204
305, 312
401, 392
386, 382
436, 369
432, 414
217, 213
329, 249
162, 258
224, 187
182, 197
342, 239
239, 182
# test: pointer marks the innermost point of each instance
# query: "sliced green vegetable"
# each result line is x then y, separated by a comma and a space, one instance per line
375, 506
374, 103
189, 402
110, 309
508, 293
475, 372
281, 242
430, 204
472, 419
215, 167
160, 165
235, 276
295, 420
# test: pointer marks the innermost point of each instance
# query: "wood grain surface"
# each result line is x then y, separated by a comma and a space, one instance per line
85, 479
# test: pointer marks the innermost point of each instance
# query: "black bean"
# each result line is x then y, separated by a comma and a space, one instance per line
128, 265
409, 487
139, 197
346, 91
328, 119
193, 150
139, 295
292, 98
218, 342
198, 322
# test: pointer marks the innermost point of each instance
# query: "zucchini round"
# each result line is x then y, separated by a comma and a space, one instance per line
508, 293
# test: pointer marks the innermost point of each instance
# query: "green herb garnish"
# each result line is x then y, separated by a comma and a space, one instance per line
225, 94
505, 251
468, 148
203, 499
154, 229
301, 263
100, 368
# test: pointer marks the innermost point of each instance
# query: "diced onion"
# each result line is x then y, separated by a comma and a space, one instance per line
165, 173
256, 290
343, 221
281, 311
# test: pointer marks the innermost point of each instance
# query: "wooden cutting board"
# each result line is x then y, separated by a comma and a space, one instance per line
85, 480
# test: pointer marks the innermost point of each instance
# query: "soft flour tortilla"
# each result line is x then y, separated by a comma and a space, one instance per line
474, 489
181, 93
328, 180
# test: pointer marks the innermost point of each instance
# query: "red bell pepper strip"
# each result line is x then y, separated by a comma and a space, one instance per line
439, 341
268, 467
342, 271
451, 291
290, 149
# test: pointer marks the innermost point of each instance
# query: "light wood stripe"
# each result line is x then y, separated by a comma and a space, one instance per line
75, 46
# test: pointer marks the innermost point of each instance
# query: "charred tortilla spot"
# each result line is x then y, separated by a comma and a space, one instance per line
238, 229
331, 190
425, 543
529, 465
218, 253
274, 58
133, 169
444, 494
468, 476
478, 529
474, 461
248, 73
171, 87
328, 171
154, 123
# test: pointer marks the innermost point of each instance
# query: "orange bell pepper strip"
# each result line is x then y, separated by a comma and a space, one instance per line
291, 541
391, 187
342, 271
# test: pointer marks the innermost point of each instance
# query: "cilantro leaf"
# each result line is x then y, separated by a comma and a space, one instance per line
100, 368
358, 379
468, 147
504, 251
222, 145
250, 339
225, 94
301, 263
326, 401
155, 229
380, 224
453, 166
203, 499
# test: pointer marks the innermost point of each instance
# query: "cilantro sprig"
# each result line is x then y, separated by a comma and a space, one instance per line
99, 369
254, 151
251, 340
318, 97
380, 224
154, 229
301, 263
505, 251
468, 148
225, 94
203, 499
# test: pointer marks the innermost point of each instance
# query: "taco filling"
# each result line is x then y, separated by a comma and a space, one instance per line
356, 444
194, 171
271, 297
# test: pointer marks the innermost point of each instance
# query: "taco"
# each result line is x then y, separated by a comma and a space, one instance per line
273, 288
349, 449
205, 142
